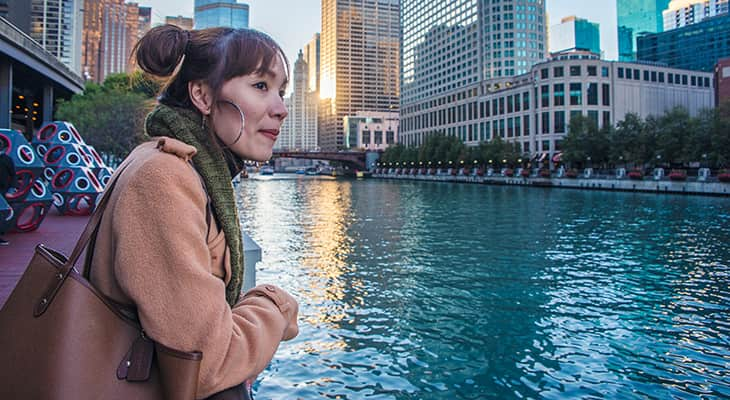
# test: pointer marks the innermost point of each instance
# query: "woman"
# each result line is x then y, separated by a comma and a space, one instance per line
170, 242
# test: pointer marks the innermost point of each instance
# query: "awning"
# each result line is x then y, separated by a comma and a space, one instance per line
543, 156
557, 157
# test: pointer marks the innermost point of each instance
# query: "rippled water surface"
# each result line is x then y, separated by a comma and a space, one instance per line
422, 290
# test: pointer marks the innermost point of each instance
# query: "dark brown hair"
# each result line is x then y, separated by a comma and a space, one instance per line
213, 55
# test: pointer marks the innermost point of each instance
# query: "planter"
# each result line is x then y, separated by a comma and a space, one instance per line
525, 173
678, 175
724, 177
571, 173
635, 175
509, 172
544, 173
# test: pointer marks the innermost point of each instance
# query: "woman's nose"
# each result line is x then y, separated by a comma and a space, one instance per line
278, 108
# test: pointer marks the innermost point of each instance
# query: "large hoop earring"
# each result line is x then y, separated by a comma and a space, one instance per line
243, 120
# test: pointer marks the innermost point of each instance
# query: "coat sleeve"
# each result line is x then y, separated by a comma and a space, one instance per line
162, 262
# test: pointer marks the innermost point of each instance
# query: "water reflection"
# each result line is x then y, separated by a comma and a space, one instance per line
432, 291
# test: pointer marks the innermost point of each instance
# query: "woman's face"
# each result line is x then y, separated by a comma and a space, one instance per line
260, 98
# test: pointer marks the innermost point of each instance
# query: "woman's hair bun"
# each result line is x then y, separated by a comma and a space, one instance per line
161, 49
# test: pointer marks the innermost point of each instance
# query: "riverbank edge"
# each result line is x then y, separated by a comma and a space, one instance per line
717, 189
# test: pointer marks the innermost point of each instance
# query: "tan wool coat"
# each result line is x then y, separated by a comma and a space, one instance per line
156, 251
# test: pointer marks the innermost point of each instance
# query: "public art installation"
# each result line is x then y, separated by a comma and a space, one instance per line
75, 171
58, 168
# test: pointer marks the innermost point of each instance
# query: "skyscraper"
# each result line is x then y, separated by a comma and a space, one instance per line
575, 34
111, 29
685, 12
212, 13
635, 17
454, 50
311, 56
54, 24
358, 64
180, 21
300, 129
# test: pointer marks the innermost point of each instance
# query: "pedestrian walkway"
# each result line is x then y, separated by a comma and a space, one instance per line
58, 232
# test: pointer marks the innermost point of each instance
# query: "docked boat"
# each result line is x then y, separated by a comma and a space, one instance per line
266, 170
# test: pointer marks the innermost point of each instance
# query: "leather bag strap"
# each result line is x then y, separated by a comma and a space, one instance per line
91, 227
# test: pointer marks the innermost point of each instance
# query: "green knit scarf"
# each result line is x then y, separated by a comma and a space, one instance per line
212, 164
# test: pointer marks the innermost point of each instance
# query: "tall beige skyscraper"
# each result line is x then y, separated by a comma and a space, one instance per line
299, 132
359, 64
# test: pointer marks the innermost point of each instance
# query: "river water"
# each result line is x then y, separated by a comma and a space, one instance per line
427, 290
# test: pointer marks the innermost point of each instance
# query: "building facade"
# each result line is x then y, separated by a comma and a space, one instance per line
574, 33
358, 63
636, 17
686, 12
722, 81
299, 132
180, 22
697, 46
311, 57
111, 30
55, 24
228, 13
534, 109
372, 130
456, 51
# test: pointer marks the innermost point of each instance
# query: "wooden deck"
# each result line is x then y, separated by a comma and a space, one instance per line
58, 232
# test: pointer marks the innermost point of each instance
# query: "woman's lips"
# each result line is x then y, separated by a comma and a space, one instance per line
270, 133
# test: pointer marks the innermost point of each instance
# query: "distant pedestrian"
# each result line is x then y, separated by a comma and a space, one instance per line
7, 180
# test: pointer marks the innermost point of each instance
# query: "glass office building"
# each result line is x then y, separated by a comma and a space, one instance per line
635, 17
454, 50
57, 25
697, 46
575, 34
228, 13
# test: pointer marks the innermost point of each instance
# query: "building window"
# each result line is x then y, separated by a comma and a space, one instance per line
593, 116
501, 106
517, 102
495, 107
481, 110
653, 76
559, 121
526, 101
546, 122
501, 127
646, 76
366, 137
576, 97
661, 77
637, 75
620, 72
604, 72
558, 72
707, 82
606, 118
684, 79
559, 94
545, 145
575, 113
694, 80
510, 127
518, 126
575, 70
606, 95
592, 70
544, 73
545, 95
526, 125
670, 77
389, 137
378, 137
592, 94
510, 104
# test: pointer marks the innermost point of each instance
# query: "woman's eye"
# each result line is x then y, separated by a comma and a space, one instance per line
260, 85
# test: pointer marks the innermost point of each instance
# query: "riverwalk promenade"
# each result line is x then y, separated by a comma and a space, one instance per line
58, 232
690, 186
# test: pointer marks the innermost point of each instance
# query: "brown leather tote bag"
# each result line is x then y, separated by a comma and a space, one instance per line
60, 338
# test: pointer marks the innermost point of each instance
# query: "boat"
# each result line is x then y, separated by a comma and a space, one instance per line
266, 170
311, 171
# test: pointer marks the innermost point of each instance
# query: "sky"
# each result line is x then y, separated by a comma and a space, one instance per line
293, 22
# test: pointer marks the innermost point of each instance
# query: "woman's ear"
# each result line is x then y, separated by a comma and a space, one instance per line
201, 96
